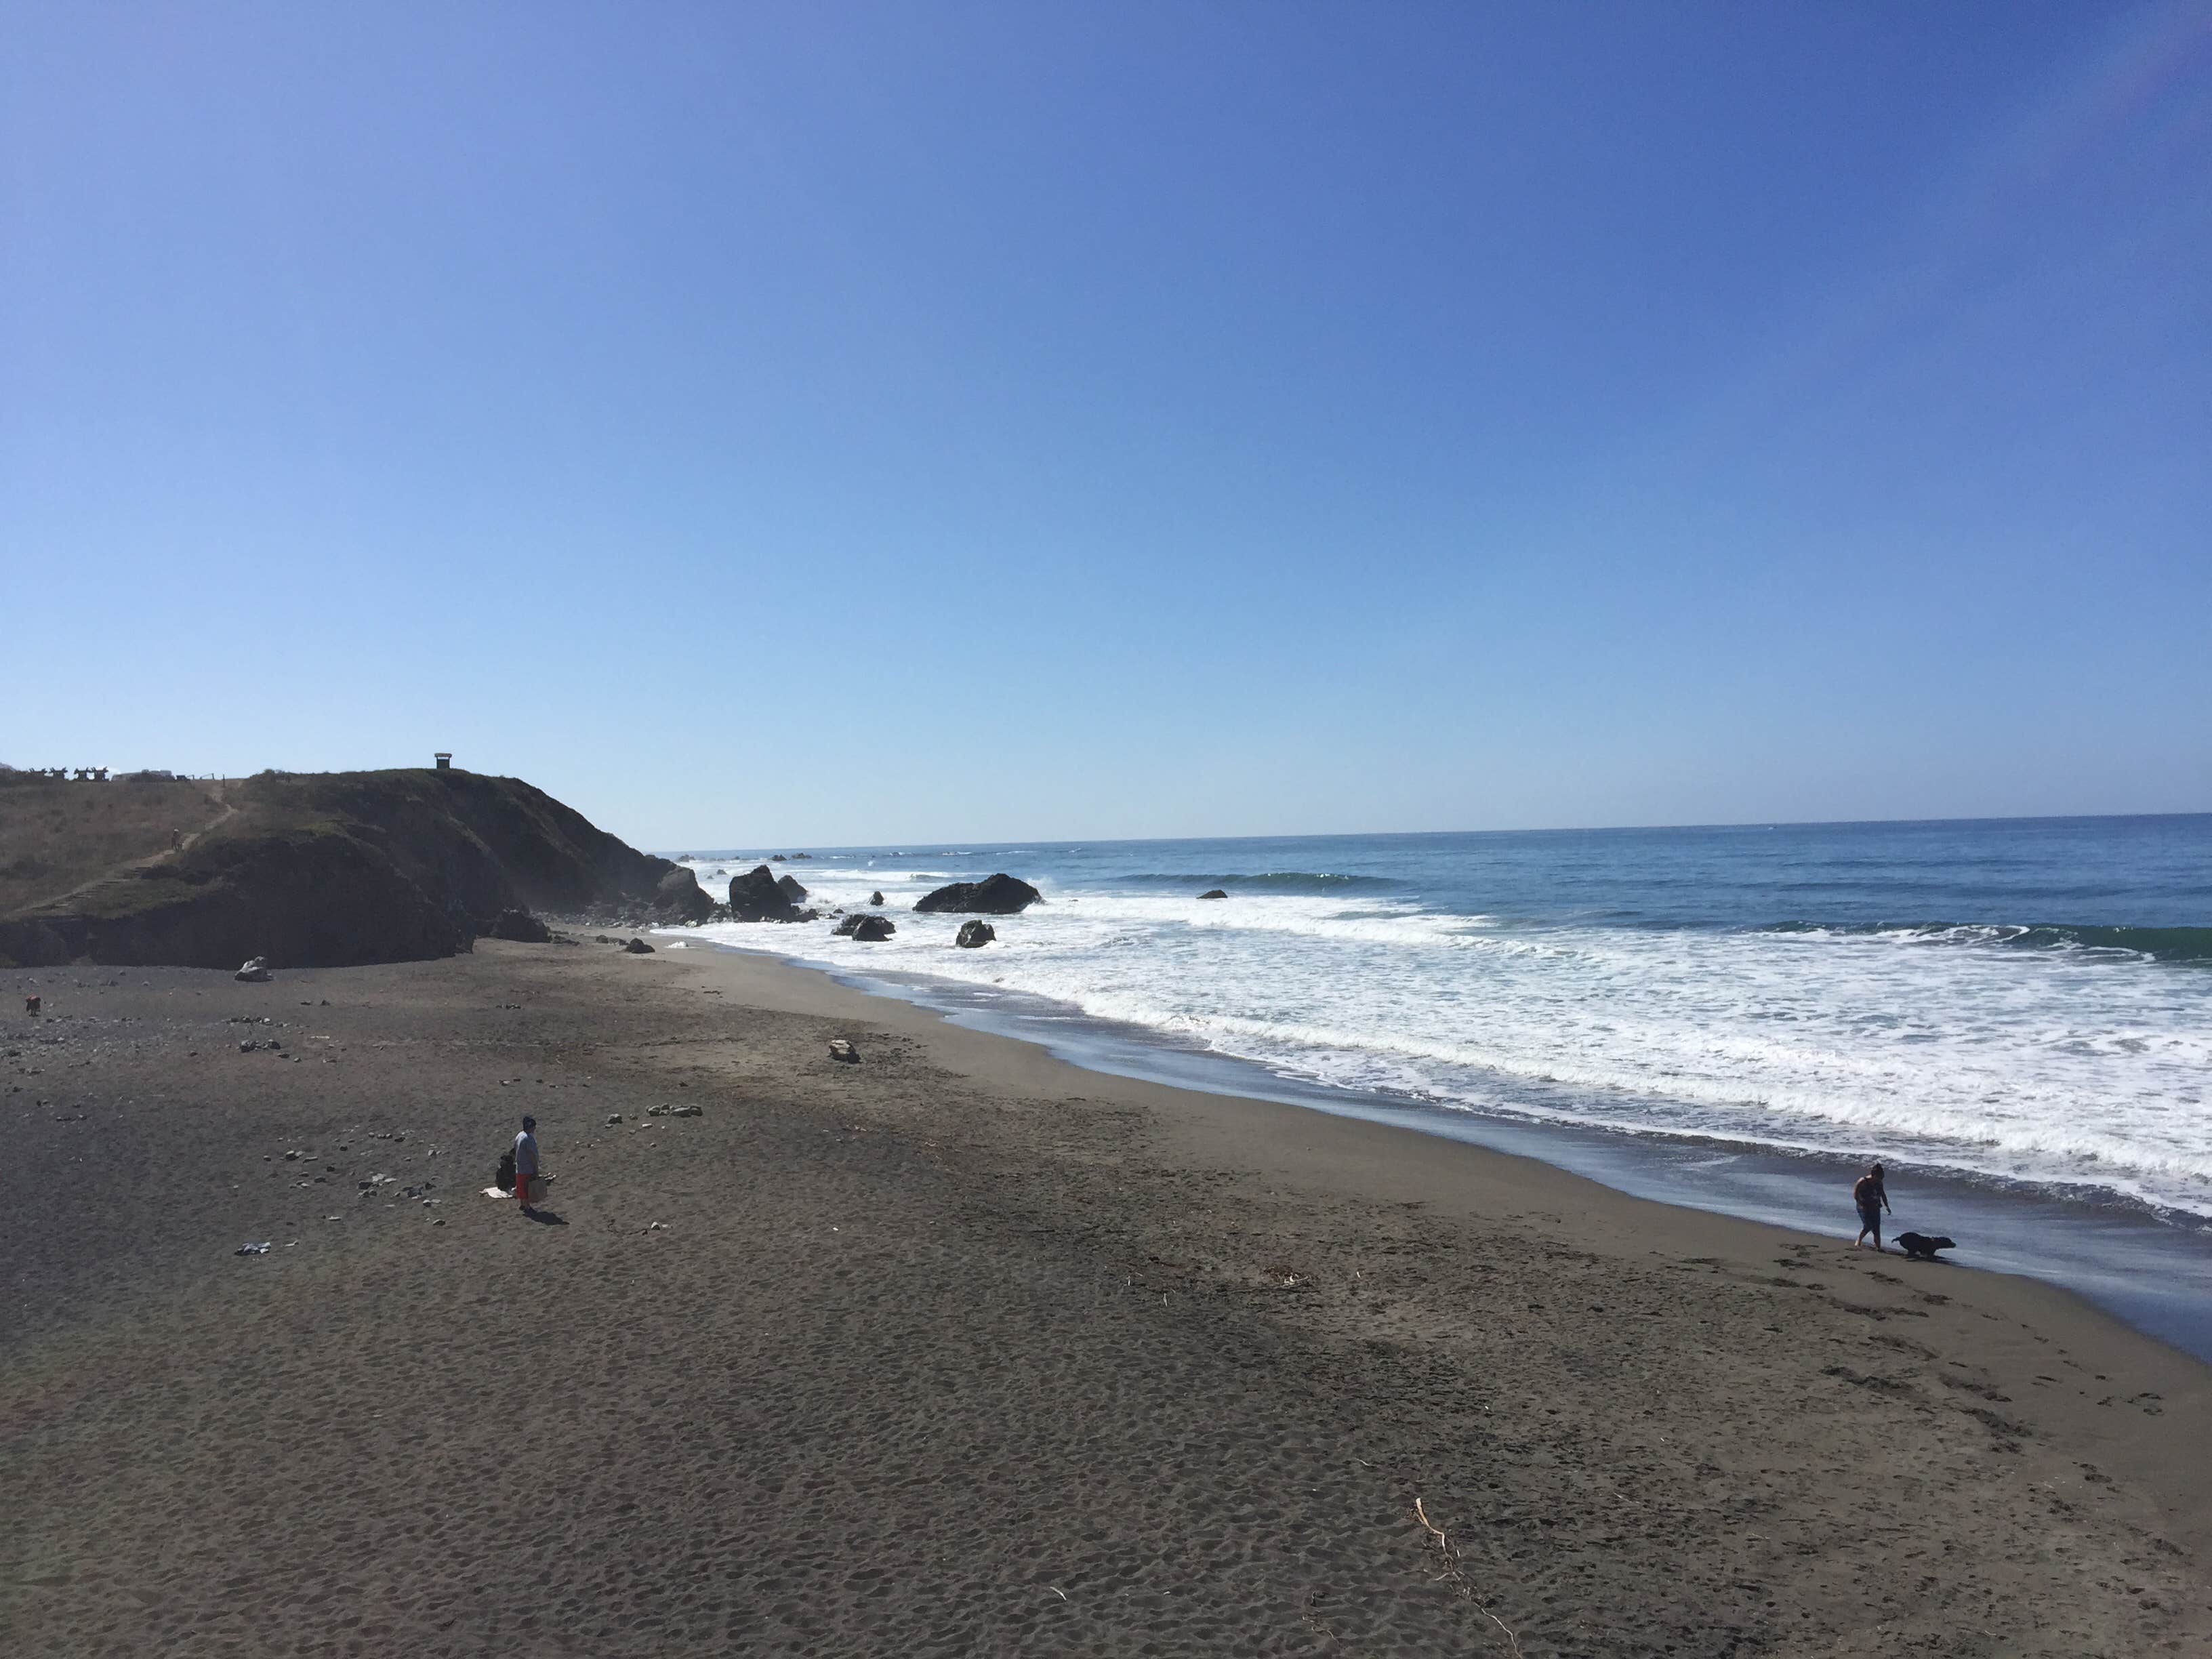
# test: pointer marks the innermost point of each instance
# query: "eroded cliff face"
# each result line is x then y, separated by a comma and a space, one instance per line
337, 869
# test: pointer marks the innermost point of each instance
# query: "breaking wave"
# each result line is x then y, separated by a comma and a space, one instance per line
2159, 944
1268, 881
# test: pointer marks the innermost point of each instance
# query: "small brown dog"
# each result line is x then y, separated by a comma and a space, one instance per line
30, 1005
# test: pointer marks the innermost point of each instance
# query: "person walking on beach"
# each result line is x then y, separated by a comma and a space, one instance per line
1867, 1193
526, 1161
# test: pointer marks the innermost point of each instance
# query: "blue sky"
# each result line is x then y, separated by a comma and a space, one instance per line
869, 423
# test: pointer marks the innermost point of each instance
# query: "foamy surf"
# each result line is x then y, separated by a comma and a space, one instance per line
1588, 981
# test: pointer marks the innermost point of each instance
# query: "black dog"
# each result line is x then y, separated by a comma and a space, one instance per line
1922, 1247
504, 1179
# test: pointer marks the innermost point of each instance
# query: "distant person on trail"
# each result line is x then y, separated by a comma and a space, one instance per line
526, 1161
1867, 1193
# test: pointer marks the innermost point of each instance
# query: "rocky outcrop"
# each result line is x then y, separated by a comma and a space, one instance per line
1215, 893
678, 897
974, 935
520, 926
336, 869
792, 892
995, 896
638, 947
757, 896
867, 929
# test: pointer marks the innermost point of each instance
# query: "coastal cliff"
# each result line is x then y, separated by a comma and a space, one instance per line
333, 870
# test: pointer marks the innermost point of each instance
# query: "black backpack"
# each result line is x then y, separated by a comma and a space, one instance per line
504, 1179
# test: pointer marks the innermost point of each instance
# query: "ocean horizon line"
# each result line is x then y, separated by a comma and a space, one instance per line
951, 842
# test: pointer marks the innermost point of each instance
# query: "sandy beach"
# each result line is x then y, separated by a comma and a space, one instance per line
960, 1350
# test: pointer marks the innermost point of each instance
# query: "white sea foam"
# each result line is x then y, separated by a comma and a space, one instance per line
2046, 1066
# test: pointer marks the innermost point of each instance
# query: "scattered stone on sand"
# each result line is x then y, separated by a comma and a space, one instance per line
1213, 893
638, 947
1000, 895
865, 928
613, 1118
254, 970
520, 926
666, 1110
974, 935
260, 1249
840, 1049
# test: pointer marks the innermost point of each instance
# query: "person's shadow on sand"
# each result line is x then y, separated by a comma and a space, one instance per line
543, 1218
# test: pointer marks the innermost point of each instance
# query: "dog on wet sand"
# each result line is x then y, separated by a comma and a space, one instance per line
1921, 1247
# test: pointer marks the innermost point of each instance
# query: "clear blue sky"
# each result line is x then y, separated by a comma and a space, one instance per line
856, 423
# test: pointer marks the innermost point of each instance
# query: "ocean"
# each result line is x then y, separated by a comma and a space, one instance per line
2015, 1007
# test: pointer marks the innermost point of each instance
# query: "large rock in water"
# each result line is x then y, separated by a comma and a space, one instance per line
789, 887
869, 930
974, 935
756, 896
520, 926
995, 896
679, 897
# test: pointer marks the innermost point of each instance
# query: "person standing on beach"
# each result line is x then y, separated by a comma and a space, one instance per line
1867, 1193
526, 1161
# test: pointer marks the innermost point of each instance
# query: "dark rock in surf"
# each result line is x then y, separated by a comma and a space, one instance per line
755, 897
876, 899
1215, 893
789, 887
866, 929
974, 935
520, 926
638, 947
996, 895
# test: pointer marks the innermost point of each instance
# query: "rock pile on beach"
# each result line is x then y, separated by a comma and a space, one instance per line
865, 928
678, 897
974, 935
995, 896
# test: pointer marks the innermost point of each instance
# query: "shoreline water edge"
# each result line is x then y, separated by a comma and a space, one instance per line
2148, 1263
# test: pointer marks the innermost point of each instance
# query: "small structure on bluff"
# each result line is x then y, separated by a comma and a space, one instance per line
444, 761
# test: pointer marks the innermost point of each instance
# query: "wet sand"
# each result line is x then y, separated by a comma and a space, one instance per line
960, 1350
